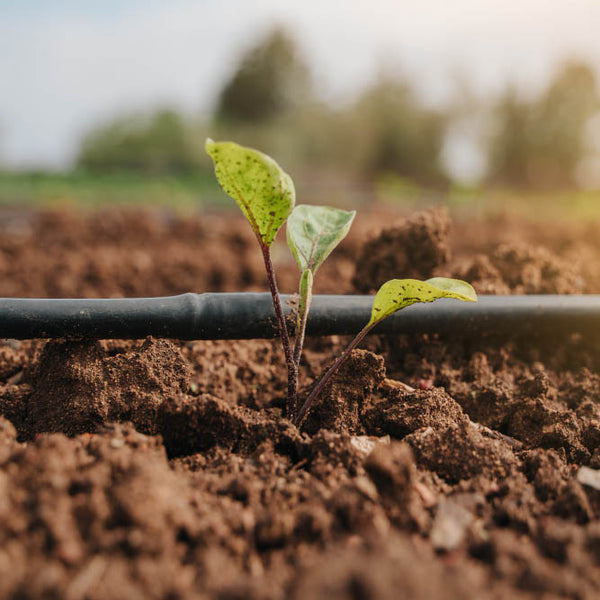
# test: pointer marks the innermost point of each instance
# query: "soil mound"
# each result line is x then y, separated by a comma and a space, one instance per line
104, 518
461, 452
195, 424
76, 387
415, 248
520, 268
341, 405
400, 412
360, 572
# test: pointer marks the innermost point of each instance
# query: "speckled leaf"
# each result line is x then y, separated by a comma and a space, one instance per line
399, 293
461, 290
314, 231
261, 188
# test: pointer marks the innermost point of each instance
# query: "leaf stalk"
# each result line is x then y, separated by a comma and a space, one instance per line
304, 301
303, 412
292, 369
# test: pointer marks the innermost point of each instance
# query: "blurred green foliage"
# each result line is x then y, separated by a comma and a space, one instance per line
384, 139
394, 133
270, 81
190, 193
539, 143
186, 192
158, 143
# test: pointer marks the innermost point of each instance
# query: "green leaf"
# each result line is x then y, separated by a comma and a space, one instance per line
399, 293
261, 188
314, 231
461, 290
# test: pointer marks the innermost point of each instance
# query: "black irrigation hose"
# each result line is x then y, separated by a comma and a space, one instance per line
246, 316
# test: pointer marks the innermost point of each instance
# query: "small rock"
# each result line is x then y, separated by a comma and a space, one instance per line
589, 477
365, 444
450, 526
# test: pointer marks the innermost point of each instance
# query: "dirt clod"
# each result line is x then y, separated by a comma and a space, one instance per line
78, 386
461, 451
342, 402
392, 469
195, 424
415, 248
401, 413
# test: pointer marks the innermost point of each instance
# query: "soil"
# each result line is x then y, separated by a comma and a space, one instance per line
429, 469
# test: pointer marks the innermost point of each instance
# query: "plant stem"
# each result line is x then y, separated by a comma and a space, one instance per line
305, 298
292, 370
300, 332
301, 415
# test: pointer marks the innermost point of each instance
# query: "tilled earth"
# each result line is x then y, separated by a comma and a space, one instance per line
430, 469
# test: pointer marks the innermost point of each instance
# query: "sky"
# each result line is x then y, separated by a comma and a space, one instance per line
67, 65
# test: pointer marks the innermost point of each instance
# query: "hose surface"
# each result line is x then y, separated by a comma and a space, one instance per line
212, 316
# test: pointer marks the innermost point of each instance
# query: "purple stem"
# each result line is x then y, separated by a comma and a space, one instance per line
283, 332
329, 374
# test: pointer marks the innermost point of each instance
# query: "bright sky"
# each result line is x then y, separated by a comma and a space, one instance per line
66, 64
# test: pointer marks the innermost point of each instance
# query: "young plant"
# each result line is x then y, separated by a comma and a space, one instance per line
265, 194
312, 234
392, 296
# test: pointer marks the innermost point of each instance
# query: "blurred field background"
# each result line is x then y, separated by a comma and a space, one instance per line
484, 107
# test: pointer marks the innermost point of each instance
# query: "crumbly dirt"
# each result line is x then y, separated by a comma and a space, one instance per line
429, 469
415, 247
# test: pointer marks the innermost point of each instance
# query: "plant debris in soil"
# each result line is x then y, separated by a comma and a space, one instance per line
428, 469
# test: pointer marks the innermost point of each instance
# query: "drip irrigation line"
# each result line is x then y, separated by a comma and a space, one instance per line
213, 316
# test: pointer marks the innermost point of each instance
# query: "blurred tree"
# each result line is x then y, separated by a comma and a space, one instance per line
513, 142
538, 144
157, 143
395, 134
270, 81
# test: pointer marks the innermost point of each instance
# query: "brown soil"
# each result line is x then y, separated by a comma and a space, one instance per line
157, 469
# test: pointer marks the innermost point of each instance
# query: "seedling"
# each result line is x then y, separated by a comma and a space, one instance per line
312, 234
393, 296
265, 194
